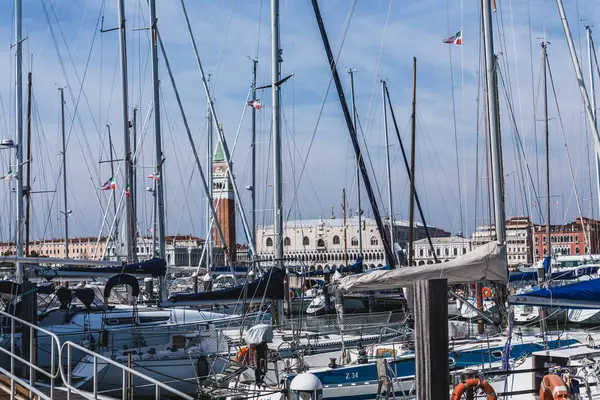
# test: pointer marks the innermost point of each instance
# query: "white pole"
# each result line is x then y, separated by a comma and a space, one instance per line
19, 132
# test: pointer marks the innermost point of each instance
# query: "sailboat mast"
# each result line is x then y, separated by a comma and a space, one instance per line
28, 185
389, 171
253, 189
277, 164
129, 224
134, 163
64, 168
413, 145
579, 76
159, 178
19, 133
492, 95
359, 214
209, 178
547, 135
590, 44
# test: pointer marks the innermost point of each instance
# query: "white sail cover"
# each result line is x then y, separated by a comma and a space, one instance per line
485, 263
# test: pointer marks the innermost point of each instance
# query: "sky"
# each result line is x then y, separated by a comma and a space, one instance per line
64, 47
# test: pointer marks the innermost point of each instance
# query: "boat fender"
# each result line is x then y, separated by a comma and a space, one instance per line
553, 388
202, 369
474, 383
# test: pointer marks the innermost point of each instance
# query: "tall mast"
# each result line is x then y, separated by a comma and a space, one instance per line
579, 76
134, 164
64, 168
389, 172
19, 134
277, 165
209, 178
590, 44
158, 174
345, 227
547, 135
253, 189
413, 129
492, 95
360, 236
129, 224
28, 185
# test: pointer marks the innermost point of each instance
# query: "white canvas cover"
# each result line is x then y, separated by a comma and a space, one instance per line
261, 333
485, 263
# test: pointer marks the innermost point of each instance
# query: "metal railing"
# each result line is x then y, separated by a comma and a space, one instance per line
23, 372
33, 369
126, 373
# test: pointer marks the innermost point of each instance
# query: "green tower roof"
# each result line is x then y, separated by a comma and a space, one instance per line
219, 156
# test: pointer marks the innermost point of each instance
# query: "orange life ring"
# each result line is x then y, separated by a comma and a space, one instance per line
292, 294
486, 293
473, 383
553, 388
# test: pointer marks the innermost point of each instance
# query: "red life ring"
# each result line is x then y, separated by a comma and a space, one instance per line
474, 383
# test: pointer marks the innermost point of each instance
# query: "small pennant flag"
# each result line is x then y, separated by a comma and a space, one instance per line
155, 177
535, 203
109, 184
556, 203
127, 191
254, 103
8, 176
454, 39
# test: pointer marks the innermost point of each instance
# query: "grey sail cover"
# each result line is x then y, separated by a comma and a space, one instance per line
485, 263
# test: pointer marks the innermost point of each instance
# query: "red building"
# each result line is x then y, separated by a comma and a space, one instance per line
224, 202
571, 239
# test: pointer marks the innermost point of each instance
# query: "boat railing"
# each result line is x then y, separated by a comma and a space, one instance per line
27, 367
127, 375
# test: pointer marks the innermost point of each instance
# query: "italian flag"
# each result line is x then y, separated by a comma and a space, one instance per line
109, 184
454, 39
155, 177
8, 176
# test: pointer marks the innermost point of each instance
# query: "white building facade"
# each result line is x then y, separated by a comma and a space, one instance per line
444, 248
326, 242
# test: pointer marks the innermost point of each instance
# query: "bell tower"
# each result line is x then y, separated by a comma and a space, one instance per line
224, 202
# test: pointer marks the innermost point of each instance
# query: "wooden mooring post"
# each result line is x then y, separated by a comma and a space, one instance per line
431, 339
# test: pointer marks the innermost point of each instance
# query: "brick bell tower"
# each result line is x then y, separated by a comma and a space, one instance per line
224, 202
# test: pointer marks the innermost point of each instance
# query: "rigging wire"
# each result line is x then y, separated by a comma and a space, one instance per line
303, 169
562, 130
458, 180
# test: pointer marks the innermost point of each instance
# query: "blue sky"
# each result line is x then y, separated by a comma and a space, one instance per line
381, 41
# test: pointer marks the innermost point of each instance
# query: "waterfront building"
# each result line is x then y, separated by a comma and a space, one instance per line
519, 239
579, 237
444, 248
317, 243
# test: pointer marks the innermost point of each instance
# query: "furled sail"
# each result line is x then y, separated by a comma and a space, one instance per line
485, 263
150, 268
269, 287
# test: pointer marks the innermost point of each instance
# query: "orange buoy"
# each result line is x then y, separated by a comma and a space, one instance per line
474, 383
553, 388
486, 293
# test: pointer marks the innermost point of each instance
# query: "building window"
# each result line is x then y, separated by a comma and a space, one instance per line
437, 251
269, 242
353, 242
446, 252
464, 250
336, 239
305, 241
420, 252
374, 241
320, 243
455, 251
287, 241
